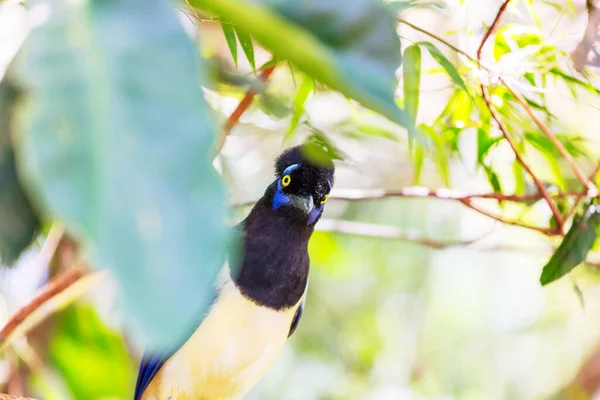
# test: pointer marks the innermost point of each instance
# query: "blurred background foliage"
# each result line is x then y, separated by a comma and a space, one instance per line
413, 295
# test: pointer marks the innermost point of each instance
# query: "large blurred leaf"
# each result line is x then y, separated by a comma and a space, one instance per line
117, 143
91, 357
574, 247
351, 46
18, 221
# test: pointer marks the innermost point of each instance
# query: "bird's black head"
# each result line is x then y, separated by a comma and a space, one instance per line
302, 185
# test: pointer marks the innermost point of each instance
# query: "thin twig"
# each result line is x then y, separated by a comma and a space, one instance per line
240, 109
545, 231
509, 139
386, 232
442, 194
491, 29
444, 42
55, 287
559, 146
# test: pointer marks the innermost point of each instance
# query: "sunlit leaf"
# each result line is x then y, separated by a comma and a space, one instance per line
574, 247
568, 79
18, 221
446, 64
229, 33
306, 87
412, 80
493, 179
519, 175
247, 45
116, 142
512, 37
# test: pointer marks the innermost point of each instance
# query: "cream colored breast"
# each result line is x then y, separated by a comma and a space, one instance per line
230, 351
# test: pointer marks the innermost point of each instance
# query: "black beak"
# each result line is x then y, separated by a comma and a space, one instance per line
304, 203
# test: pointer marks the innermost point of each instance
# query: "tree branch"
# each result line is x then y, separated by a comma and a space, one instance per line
55, 287
385, 232
240, 109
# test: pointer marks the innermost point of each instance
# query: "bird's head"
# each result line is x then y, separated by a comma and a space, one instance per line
301, 187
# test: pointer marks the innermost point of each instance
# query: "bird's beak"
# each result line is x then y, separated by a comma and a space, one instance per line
304, 203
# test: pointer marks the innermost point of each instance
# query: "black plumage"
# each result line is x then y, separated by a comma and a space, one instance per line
275, 263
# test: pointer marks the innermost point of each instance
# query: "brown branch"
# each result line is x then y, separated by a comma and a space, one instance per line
54, 288
492, 28
509, 139
559, 146
240, 109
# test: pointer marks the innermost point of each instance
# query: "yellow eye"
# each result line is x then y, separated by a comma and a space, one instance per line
285, 181
325, 199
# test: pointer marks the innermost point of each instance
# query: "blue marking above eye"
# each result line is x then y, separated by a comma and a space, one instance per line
290, 169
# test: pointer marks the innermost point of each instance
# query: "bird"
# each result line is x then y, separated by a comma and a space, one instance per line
259, 298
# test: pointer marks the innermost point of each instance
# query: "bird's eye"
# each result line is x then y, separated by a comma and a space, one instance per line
285, 181
325, 199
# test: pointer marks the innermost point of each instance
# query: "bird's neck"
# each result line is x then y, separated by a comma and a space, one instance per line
274, 266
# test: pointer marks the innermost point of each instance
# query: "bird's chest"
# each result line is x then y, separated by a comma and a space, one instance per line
229, 352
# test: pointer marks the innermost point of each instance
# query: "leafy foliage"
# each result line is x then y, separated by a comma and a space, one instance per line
351, 47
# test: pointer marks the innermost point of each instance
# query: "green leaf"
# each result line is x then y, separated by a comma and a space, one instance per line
247, 45
306, 87
19, 222
91, 358
568, 79
116, 142
440, 152
229, 33
412, 80
418, 156
352, 46
519, 174
446, 64
574, 247
512, 37
493, 179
